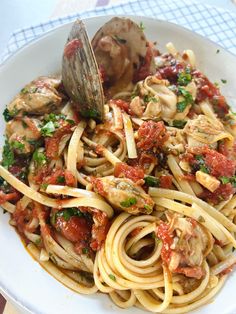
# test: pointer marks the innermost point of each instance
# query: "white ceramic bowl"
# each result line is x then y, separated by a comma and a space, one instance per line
22, 279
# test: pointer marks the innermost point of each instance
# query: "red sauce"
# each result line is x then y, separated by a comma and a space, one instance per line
69, 178
75, 229
222, 193
206, 89
167, 239
219, 164
71, 47
172, 71
192, 272
98, 186
151, 134
123, 105
135, 232
52, 143
122, 170
165, 181
99, 230
189, 177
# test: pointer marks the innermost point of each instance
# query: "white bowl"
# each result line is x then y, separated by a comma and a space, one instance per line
22, 279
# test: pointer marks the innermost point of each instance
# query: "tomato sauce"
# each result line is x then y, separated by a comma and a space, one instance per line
71, 47
222, 193
172, 71
98, 186
165, 181
99, 230
167, 239
75, 229
122, 170
52, 143
123, 105
151, 135
206, 89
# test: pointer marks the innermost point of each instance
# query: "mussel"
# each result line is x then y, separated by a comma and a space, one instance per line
108, 65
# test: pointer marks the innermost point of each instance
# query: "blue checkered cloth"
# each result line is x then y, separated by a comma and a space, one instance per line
217, 24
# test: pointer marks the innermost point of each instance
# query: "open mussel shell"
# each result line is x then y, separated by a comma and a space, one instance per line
80, 74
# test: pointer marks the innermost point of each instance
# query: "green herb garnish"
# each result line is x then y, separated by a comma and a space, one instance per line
129, 202
61, 179
90, 113
85, 250
7, 116
188, 99
17, 145
152, 181
141, 26
223, 81
112, 277
7, 155
184, 78
39, 158
218, 50
179, 123
68, 213
48, 129
224, 180
148, 208
148, 98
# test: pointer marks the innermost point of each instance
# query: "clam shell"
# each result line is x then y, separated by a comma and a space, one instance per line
80, 74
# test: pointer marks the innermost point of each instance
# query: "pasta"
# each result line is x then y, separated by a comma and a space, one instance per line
142, 206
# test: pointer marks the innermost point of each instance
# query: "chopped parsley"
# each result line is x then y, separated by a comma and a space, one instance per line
179, 123
188, 99
54, 117
38, 241
224, 180
26, 90
9, 115
223, 81
61, 179
152, 181
90, 113
201, 219
218, 50
85, 250
148, 99
67, 214
39, 158
184, 78
112, 277
119, 40
141, 26
48, 129
7, 155
201, 164
17, 145
44, 186
129, 202
148, 208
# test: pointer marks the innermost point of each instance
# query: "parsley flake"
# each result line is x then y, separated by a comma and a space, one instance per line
152, 181
112, 277
223, 81
48, 129
129, 202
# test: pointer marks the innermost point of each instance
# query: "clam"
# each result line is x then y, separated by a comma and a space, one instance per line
109, 64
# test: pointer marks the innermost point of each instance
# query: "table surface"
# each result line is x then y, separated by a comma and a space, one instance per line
16, 14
